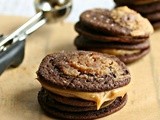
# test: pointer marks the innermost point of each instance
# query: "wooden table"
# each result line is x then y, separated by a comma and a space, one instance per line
19, 87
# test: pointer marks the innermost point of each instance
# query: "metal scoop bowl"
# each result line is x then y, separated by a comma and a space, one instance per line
54, 10
12, 46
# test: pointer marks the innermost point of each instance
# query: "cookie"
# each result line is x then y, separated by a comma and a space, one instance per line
82, 42
125, 52
146, 8
119, 21
153, 17
97, 36
134, 2
61, 113
127, 38
55, 70
88, 81
129, 58
150, 10
156, 25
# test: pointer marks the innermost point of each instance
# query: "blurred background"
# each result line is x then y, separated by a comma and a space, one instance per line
26, 7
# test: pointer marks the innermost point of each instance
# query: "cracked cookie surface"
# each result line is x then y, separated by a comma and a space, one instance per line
83, 71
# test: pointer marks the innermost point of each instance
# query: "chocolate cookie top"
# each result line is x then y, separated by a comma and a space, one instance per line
83, 71
119, 21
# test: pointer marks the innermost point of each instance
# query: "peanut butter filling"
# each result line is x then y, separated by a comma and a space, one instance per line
98, 97
126, 17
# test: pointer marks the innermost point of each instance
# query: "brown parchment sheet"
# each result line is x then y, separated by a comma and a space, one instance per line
19, 87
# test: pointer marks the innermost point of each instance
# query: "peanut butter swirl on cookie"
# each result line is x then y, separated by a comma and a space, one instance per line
91, 66
132, 20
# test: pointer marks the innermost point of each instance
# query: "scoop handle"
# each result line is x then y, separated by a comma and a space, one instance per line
13, 56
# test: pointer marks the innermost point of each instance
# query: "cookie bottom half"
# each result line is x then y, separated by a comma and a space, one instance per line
60, 110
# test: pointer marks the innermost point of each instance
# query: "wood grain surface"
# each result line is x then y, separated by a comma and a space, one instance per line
19, 87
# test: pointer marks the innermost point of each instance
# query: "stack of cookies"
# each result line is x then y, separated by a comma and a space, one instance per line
121, 32
148, 8
82, 85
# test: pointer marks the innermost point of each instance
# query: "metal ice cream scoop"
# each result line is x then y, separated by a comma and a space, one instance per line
12, 46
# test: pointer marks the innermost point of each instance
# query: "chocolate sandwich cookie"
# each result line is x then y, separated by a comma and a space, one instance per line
153, 17
146, 8
150, 9
126, 52
121, 32
134, 2
82, 84
156, 25
61, 110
